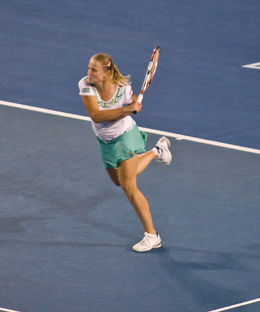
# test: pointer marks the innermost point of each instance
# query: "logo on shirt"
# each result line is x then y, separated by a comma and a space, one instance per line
85, 89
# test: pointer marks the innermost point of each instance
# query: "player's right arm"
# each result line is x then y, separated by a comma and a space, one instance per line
97, 115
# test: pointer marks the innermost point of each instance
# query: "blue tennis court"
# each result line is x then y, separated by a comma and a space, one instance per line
65, 231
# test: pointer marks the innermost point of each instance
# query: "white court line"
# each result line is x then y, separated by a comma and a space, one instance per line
169, 134
236, 305
7, 310
254, 66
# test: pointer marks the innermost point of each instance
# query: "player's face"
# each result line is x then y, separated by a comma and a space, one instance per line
96, 73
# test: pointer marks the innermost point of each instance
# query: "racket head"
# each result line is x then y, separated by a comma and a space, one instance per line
151, 69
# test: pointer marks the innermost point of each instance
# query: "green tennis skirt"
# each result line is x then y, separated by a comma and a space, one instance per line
123, 147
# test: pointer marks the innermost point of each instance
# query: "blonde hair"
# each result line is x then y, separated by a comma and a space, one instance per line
108, 65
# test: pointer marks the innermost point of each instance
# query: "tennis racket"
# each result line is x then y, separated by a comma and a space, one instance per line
150, 72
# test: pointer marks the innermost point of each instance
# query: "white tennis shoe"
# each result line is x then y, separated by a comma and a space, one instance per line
164, 154
149, 242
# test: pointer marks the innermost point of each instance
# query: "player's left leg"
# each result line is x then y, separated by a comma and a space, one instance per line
127, 172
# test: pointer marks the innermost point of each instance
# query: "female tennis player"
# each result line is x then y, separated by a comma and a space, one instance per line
109, 100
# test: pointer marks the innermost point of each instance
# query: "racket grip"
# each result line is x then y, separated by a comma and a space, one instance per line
139, 100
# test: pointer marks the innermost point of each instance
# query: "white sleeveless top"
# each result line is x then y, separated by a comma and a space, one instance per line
111, 129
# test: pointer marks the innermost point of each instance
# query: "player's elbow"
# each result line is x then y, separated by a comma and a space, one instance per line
96, 117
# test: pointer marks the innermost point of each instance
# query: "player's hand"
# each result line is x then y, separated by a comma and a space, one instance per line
135, 107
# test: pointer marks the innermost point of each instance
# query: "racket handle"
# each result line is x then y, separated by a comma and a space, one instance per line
139, 100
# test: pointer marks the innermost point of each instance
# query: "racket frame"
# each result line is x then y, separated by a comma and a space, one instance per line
150, 72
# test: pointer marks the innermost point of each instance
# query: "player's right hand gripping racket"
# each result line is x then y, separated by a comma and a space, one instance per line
151, 69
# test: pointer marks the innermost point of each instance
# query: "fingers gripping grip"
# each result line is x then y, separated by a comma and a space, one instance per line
139, 100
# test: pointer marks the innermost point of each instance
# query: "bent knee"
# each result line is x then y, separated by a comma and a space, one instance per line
129, 189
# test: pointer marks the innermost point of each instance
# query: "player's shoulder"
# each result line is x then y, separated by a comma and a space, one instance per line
84, 82
84, 86
125, 93
127, 89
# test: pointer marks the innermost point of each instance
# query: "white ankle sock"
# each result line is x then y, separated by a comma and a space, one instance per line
152, 235
156, 151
